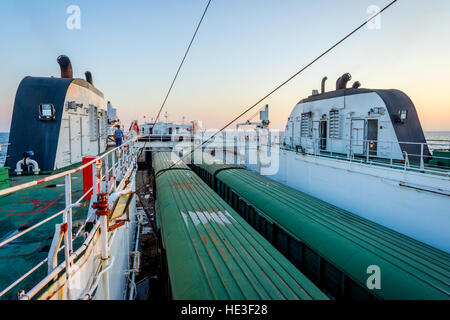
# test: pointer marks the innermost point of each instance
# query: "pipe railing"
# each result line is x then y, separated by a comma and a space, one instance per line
126, 158
64, 173
3, 154
376, 151
373, 152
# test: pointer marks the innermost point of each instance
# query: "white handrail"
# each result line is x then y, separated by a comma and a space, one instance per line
5, 242
62, 174
61, 267
66, 211
391, 156
88, 295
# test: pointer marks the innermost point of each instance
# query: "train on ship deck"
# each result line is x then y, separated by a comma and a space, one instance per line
209, 251
336, 249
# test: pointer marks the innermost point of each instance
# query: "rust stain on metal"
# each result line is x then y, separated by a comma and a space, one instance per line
204, 239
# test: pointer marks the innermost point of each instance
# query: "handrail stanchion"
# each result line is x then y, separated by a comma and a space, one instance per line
104, 237
349, 147
392, 151
94, 180
422, 163
122, 160
331, 147
406, 159
67, 244
105, 255
68, 187
107, 176
113, 160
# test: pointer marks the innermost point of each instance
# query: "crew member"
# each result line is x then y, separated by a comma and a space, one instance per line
118, 136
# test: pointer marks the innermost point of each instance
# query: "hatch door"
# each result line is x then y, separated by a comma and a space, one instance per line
357, 139
372, 136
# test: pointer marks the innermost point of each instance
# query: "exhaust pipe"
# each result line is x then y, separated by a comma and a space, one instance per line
88, 75
341, 83
66, 66
323, 84
356, 85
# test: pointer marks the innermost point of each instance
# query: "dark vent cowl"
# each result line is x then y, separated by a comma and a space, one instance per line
356, 85
88, 75
323, 84
341, 83
66, 67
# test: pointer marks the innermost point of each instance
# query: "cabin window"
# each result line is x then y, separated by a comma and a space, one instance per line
46, 112
403, 115
334, 124
305, 125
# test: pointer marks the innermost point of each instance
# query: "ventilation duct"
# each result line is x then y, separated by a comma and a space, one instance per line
66, 66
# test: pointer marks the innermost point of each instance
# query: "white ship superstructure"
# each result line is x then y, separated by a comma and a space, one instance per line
362, 150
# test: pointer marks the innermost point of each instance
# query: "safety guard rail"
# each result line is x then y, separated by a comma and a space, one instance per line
123, 163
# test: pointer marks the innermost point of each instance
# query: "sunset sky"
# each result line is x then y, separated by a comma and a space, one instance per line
243, 50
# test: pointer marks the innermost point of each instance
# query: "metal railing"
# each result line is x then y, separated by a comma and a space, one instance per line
123, 159
415, 156
3, 154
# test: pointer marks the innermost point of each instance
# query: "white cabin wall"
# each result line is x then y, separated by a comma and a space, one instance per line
74, 140
350, 107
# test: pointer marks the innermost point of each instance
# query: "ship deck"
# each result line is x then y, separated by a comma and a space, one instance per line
23, 209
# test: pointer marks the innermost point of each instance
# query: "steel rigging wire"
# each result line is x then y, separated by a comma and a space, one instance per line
284, 83
182, 61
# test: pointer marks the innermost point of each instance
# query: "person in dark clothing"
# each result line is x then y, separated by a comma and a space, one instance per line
118, 136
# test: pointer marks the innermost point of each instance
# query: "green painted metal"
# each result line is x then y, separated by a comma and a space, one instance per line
409, 269
441, 157
4, 178
212, 253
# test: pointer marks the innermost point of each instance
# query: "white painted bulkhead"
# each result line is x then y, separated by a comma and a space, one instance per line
413, 203
84, 126
346, 120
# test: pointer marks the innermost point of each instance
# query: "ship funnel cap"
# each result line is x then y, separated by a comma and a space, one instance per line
341, 83
88, 75
66, 66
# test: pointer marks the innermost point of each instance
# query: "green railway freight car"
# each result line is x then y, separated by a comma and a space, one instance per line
210, 251
339, 251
